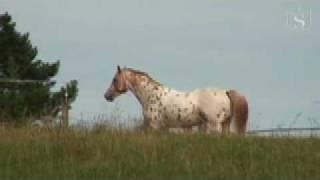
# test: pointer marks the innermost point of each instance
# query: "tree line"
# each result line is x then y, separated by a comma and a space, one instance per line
26, 81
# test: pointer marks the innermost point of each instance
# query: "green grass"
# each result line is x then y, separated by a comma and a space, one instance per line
70, 154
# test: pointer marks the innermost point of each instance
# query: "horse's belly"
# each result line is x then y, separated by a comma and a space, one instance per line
180, 110
181, 119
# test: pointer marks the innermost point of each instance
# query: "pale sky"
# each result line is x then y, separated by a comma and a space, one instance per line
256, 47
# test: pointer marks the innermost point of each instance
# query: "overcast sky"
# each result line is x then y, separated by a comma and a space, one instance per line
260, 48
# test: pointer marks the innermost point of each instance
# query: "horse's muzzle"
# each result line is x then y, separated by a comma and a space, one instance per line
108, 97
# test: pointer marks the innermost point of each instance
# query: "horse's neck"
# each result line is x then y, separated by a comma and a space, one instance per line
146, 91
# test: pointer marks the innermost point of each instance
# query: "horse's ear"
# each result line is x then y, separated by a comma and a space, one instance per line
119, 69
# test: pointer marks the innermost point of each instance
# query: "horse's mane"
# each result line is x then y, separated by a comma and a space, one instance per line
141, 73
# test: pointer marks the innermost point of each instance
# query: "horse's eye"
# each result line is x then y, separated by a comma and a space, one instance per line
115, 80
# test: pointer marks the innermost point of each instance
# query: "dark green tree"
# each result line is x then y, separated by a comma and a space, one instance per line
25, 81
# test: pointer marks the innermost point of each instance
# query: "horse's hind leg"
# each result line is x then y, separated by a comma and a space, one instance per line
210, 123
226, 126
219, 127
202, 127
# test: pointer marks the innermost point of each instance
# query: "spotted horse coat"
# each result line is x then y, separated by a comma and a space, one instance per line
213, 110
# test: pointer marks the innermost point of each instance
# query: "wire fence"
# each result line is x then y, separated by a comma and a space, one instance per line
287, 132
25, 81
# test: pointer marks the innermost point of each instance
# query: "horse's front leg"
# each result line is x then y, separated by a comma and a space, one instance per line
208, 127
150, 127
145, 127
151, 123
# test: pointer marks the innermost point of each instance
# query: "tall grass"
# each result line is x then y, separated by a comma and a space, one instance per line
122, 154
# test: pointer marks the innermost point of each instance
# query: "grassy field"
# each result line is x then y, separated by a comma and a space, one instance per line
107, 154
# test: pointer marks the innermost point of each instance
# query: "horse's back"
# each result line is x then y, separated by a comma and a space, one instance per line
212, 96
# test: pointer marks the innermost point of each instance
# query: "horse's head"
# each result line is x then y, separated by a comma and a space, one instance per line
118, 86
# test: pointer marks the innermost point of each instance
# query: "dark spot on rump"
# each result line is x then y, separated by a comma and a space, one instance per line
218, 115
155, 88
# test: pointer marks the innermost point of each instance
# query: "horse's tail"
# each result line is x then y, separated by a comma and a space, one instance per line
239, 112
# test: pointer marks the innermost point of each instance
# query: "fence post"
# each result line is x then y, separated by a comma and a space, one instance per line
66, 110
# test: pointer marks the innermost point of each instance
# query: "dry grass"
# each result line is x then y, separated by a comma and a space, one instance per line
98, 154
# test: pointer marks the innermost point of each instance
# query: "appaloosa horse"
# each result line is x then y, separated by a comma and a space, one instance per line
213, 110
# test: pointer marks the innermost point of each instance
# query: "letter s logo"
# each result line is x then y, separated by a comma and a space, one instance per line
301, 21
